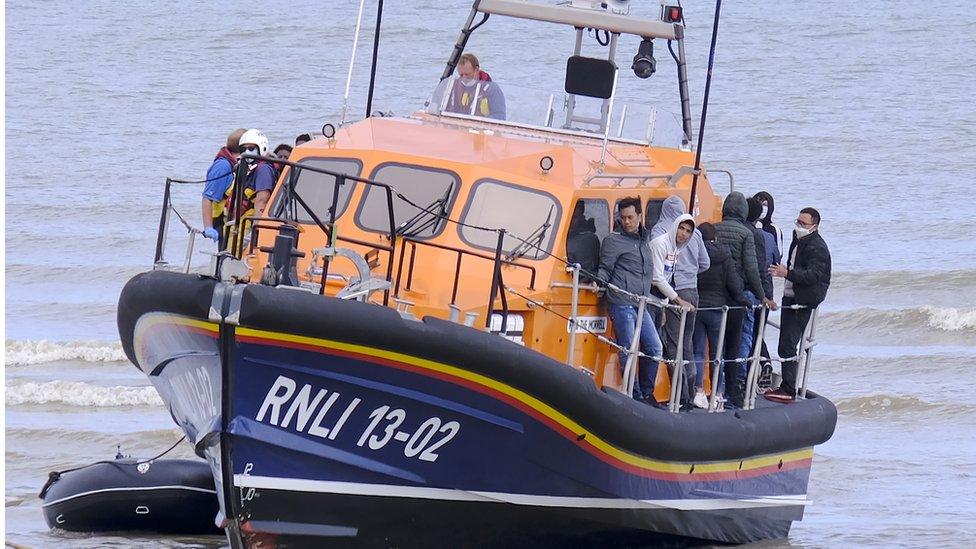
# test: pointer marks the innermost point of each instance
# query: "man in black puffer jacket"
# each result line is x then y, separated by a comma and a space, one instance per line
738, 236
807, 275
718, 286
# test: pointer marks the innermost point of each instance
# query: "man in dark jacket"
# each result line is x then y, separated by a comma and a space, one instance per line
765, 255
625, 262
807, 275
718, 286
736, 234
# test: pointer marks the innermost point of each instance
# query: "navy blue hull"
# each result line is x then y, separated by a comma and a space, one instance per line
357, 425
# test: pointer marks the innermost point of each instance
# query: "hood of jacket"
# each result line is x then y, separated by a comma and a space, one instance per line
225, 153
673, 231
718, 253
672, 208
763, 196
735, 207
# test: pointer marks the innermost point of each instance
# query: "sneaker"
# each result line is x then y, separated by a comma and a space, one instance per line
779, 395
700, 400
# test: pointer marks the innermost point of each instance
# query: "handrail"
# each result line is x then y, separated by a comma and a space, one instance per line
498, 285
806, 346
457, 269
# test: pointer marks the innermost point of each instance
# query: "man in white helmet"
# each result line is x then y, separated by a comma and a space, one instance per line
261, 175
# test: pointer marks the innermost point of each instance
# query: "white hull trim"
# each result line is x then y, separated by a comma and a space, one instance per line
130, 489
418, 492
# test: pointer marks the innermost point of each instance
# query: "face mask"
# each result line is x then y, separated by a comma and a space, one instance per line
801, 231
765, 210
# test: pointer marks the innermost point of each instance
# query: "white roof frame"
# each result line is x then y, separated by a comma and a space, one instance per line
578, 17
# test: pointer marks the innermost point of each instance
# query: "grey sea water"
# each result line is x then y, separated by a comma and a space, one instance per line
862, 109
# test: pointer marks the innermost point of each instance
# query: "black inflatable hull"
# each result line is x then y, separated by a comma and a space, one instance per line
336, 420
166, 496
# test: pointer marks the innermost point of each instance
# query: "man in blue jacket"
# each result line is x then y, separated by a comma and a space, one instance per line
219, 177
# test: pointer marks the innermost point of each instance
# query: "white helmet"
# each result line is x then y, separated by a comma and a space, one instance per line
256, 138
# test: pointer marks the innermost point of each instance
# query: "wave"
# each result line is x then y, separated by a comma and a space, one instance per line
917, 325
906, 281
874, 406
76, 393
951, 320
25, 353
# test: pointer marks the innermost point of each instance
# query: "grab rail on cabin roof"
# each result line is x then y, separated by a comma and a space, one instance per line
671, 179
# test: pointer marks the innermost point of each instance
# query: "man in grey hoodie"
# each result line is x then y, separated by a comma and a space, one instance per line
733, 232
692, 259
665, 251
625, 262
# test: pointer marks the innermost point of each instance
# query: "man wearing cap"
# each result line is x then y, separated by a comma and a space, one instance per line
219, 178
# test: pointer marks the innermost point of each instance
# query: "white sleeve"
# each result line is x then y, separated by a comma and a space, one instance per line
658, 280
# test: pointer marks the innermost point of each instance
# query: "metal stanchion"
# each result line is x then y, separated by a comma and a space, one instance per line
678, 372
752, 378
719, 361
630, 371
572, 314
812, 330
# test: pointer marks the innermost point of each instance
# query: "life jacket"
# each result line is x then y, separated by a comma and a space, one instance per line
247, 200
217, 206
463, 95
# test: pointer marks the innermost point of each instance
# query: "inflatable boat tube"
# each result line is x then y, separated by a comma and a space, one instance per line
618, 419
173, 496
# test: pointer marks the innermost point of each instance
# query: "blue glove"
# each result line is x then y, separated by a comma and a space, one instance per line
211, 233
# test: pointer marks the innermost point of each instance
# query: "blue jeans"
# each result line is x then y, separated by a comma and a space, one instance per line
748, 323
624, 319
707, 324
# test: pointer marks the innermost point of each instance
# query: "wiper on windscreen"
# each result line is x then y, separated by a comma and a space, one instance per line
408, 229
534, 240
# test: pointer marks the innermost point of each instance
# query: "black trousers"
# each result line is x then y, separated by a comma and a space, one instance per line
793, 323
734, 382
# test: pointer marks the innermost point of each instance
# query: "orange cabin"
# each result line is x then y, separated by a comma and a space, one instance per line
475, 173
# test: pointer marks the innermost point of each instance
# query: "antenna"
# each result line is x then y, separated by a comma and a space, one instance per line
352, 61
701, 125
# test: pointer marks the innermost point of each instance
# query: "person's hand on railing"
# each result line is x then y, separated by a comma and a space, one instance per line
211, 233
683, 304
770, 303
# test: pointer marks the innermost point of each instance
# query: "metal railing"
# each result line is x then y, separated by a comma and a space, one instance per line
460, 254
293, 200
676, 365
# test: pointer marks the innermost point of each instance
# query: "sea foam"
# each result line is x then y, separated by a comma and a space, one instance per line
951, 320
75, 393
25, 353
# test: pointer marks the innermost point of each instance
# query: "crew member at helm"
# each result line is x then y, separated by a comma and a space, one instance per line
260, 179
474, 92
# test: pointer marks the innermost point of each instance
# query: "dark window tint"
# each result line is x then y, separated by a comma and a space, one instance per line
588, 226
652, 212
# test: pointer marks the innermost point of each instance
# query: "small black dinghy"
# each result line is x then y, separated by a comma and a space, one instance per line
172, 496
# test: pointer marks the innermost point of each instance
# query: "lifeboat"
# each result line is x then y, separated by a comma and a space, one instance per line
171, 496
403, 350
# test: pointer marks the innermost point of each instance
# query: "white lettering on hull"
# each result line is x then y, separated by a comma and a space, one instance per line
300, 406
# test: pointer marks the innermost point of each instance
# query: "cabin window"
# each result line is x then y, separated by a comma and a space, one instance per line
530, 214
316, 189
588, 226
652, 213
430, 188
